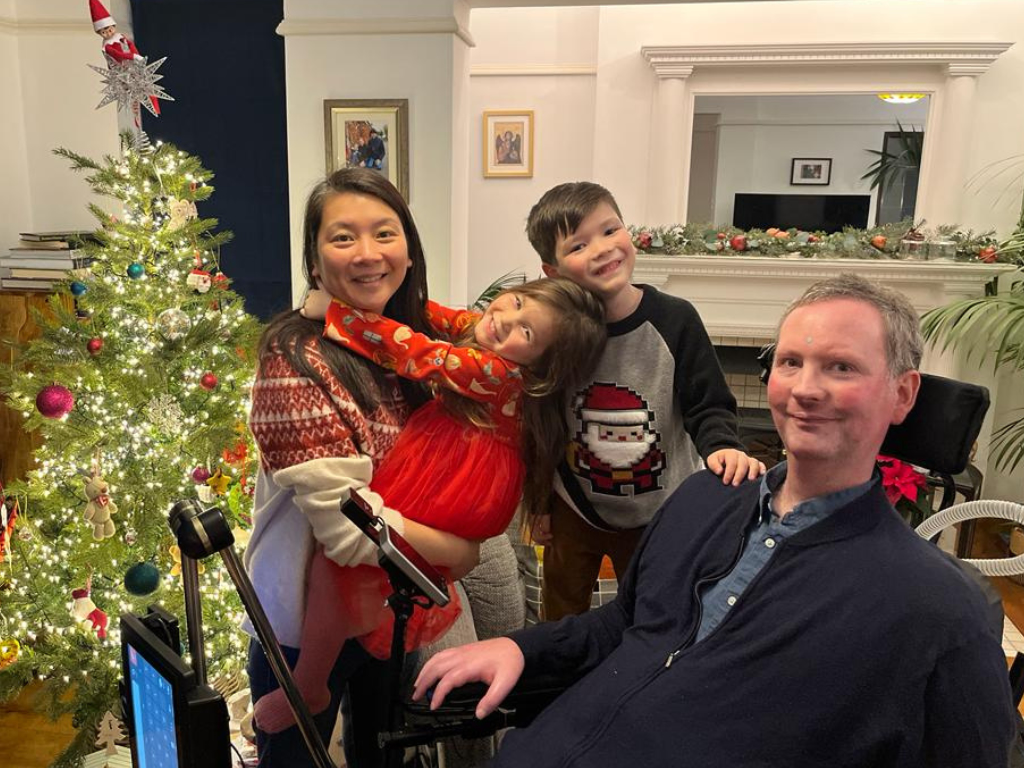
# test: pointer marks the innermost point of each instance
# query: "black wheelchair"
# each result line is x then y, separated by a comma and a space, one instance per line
938, 434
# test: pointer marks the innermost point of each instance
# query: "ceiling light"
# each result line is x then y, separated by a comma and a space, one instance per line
901, 98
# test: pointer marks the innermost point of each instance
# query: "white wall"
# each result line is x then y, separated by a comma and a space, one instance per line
15, 187
51, 96
354, 63
563, 106
760, 135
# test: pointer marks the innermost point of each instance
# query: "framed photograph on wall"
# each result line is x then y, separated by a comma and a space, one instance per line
811, 170
369, 133
508, 142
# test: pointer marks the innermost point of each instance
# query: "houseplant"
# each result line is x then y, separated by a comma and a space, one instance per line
991, 328
890, 168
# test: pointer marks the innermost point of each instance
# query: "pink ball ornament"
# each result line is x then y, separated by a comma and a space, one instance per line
55, 401
200, 475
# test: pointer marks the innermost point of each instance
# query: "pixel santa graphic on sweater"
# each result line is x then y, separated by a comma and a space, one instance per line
615, 447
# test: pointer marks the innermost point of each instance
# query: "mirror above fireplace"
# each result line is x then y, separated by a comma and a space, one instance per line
944, 71
801, 156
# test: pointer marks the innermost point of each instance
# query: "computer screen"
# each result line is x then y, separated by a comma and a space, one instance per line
173, 720
152, 699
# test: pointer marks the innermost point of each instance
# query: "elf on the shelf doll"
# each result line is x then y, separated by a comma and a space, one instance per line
84, 611
115, 45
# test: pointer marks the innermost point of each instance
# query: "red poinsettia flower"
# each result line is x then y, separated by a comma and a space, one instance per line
900, 480
645, 239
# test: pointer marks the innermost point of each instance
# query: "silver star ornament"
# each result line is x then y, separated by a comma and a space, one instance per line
131, 83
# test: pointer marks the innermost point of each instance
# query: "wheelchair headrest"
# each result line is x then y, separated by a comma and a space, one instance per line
940, 429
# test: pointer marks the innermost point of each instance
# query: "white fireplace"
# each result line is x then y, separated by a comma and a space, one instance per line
741, 300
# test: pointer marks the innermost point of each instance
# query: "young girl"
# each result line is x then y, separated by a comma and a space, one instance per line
459, 464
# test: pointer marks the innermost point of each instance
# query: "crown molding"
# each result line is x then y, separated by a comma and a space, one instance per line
44, 26
533, 70
961, 58
423, 26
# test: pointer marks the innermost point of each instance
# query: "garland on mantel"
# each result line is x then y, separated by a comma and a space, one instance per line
881, 242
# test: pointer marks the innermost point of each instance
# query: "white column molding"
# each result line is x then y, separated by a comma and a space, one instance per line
44, 26
966, 69
950, 142
397, 26
978, 54
669, 165
534, 70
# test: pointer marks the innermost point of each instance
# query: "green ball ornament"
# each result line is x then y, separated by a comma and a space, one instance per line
136, 270
142, 579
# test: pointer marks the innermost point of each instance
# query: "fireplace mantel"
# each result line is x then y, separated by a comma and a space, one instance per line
745, 296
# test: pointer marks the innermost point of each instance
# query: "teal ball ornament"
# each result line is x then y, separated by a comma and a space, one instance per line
142, 579
78, 288
136, 270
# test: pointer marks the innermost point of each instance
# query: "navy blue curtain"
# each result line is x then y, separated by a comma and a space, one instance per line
225, 70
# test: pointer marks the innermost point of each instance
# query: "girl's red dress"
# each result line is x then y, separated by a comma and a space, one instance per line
443, 472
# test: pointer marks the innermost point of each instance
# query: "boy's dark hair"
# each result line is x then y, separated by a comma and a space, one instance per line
560, 211
288, 333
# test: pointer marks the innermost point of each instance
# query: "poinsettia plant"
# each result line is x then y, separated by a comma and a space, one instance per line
906, 488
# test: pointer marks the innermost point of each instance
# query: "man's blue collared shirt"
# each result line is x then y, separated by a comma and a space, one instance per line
763, 539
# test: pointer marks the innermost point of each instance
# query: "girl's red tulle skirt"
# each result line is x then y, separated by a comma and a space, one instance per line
444, 474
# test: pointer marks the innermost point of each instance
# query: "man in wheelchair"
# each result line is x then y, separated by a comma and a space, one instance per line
793, 621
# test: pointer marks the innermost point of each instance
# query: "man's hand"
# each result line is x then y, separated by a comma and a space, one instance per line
316, 303
734, 466
540, 532
497, 662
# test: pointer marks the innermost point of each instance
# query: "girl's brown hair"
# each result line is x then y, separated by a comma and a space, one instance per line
288, 333
579, 337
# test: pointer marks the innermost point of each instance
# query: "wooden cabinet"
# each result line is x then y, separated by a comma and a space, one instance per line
16, 322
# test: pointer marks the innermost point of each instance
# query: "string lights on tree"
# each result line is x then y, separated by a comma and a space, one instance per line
139, 385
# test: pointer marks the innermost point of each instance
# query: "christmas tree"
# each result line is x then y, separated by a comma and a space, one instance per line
139, 386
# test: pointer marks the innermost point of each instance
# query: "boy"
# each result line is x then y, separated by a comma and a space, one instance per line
657, 403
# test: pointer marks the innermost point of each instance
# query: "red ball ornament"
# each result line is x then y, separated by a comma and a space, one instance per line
55, 401
200, 475
988, 255
208, 381
94, 345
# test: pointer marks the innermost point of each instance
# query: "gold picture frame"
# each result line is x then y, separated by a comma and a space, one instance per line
508, 143
371, 133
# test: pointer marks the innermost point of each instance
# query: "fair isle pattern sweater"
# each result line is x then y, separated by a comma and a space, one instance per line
315, 445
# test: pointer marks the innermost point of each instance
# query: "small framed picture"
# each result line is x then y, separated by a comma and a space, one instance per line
508, 142
369, 133
811, 170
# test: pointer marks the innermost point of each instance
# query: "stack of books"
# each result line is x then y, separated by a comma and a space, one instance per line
40, 259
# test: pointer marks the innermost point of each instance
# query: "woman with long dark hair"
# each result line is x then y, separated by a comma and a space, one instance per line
323, 418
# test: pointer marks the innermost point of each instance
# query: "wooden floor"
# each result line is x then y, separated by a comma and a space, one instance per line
29, 740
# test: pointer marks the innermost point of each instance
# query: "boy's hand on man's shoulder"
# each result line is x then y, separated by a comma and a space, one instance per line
734, 466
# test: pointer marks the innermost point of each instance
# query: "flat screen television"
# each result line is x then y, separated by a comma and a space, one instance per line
173, 721
811, 213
